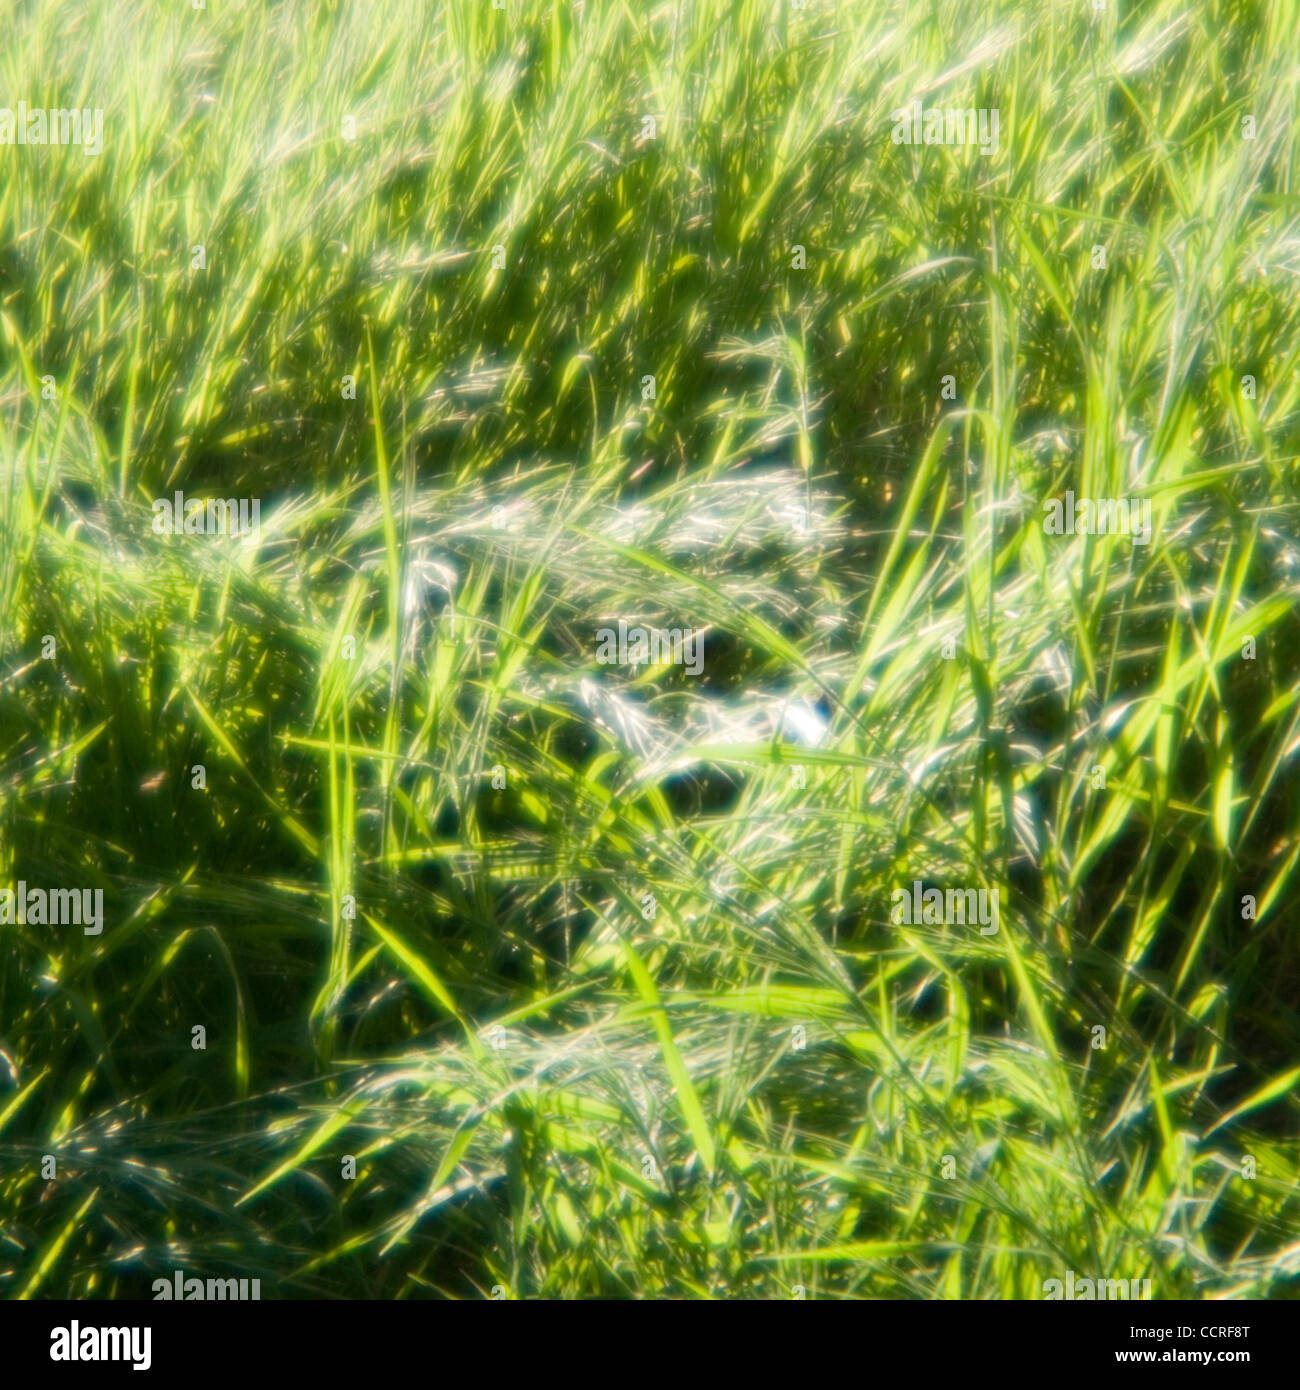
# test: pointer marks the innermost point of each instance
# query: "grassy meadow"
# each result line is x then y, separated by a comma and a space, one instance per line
590, 970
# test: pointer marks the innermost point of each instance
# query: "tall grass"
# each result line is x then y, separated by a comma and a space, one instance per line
551, 1082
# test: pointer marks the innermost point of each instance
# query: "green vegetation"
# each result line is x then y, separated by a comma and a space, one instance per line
495, 492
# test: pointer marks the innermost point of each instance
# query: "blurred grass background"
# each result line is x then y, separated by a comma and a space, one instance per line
548, 1082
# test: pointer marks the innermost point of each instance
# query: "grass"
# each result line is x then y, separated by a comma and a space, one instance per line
592, 971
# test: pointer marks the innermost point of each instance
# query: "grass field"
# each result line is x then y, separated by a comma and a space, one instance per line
593, 972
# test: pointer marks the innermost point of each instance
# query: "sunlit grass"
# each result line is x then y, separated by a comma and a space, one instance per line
417, 620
